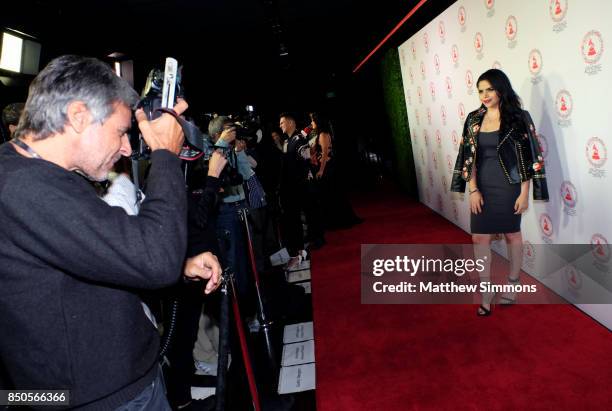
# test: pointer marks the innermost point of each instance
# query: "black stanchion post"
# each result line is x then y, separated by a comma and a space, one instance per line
265, 323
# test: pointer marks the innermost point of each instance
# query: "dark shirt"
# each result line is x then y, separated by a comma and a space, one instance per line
70, 266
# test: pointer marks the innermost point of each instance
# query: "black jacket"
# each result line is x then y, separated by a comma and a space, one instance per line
519, 155
69, 268
294, 167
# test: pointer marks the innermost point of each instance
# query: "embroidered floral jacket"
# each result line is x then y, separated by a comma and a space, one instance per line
519, 155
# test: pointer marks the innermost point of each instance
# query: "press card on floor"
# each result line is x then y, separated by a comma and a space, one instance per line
306, 286
297, 276
296, 378
298, 332
298, 353
303, 265
280, 257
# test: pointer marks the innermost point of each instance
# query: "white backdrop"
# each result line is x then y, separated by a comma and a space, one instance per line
554, 52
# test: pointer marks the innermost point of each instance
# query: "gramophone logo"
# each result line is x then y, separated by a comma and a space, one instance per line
596, 152
440, 204
432, 90
564, 104
409, 96
423, 73
569, 197
478, 43
543, 145
529, 254
449, 163
469, 81
434, 158
437, 63
462, 17
439, 138
426, 42
461, 111
592, 48
420, 94
449, 87
417, 116
426, 137
429, 115
411, 74
511, 29
496, 65
442, 31
455, 211
430, 177
455, 139
546, 225
558, 10
535, 62
600, 248
490, 10
455, 55
573, 278
443, 114
413, 49
444, 183
422, 155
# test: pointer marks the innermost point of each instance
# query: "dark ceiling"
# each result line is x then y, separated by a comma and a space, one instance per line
230, 49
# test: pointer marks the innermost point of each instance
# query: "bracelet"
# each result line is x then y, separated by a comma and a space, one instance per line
473, 191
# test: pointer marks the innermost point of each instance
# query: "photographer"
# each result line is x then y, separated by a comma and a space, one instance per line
10, 119
71, 264
230, 230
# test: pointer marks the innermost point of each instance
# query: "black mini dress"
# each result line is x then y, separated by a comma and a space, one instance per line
498, 194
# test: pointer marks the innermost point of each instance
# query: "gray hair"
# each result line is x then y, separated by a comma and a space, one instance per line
216, 125
67, 79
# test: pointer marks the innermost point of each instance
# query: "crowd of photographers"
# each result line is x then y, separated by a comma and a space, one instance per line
248, 193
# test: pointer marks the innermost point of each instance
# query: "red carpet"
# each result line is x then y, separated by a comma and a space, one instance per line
442, 357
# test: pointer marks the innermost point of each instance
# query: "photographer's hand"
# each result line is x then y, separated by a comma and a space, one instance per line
228, 135
163, 133
216, 163
205, 266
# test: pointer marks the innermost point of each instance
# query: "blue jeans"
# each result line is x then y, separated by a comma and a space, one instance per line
152, 398
233, 245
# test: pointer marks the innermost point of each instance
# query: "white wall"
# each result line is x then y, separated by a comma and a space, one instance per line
567, 92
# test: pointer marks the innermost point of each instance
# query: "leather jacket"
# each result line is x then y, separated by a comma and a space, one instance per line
519, 155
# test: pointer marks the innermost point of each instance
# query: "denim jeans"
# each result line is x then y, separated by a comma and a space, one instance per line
233, 245
152, 398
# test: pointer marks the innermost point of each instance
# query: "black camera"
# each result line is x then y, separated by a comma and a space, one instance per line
161, 91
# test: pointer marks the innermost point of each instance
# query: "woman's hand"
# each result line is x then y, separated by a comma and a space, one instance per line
476, 202
521, 204
319, 174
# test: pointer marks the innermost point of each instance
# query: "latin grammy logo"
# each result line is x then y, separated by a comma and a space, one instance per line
595, 155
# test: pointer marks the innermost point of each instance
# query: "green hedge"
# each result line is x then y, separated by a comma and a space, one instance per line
395, 105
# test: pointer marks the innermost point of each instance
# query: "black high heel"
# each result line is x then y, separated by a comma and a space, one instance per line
484, 312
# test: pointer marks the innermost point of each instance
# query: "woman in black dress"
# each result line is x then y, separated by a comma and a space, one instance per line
498, 158
337, 212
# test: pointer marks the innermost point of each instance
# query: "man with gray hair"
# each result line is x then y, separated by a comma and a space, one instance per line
71, 264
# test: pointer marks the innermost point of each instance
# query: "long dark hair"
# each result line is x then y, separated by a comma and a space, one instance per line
323, 124
510, 106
